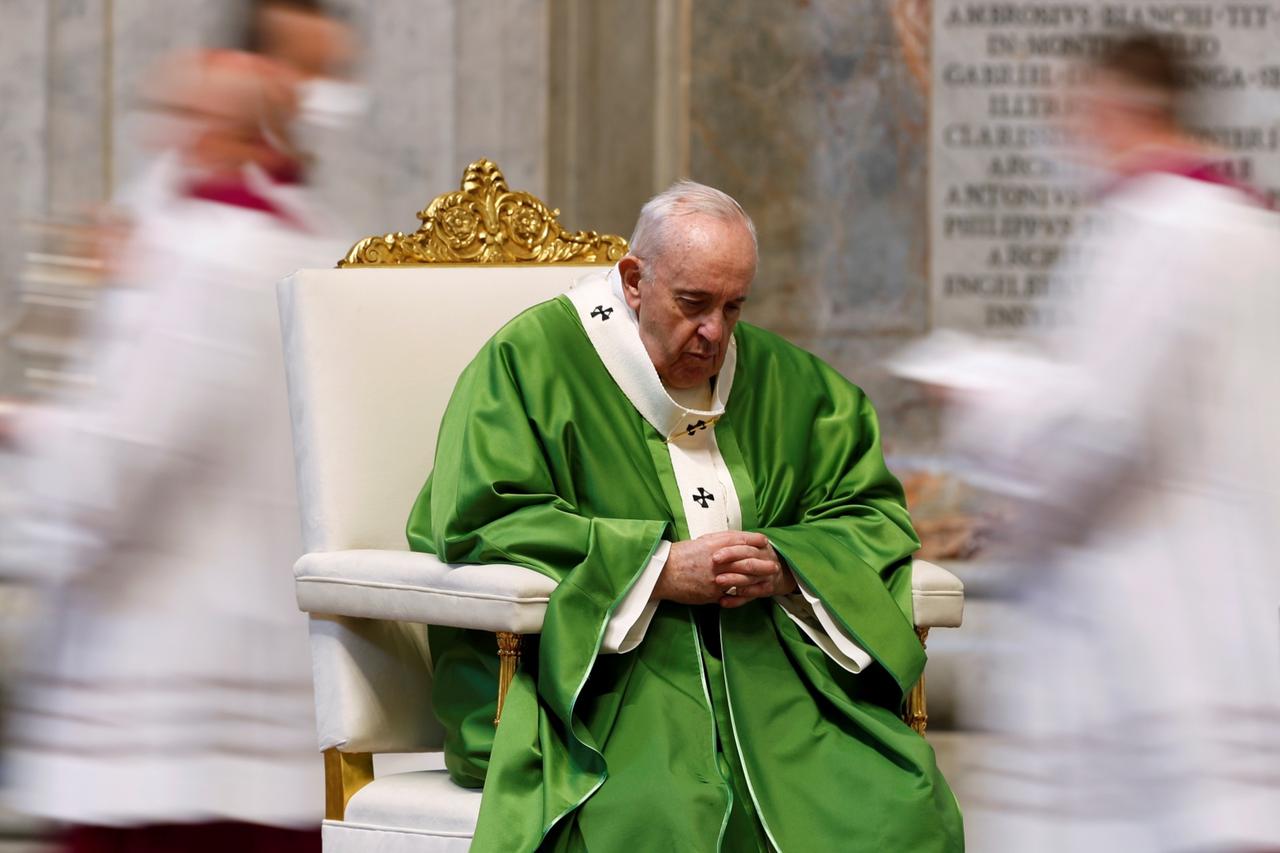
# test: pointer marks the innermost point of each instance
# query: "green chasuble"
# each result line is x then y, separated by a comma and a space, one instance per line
772, 725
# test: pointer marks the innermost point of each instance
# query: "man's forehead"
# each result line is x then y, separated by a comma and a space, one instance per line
717, 274
700, 235
710, 288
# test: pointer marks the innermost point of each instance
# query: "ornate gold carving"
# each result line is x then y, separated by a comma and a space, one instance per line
486, 222
344, 774
917, 715
508, 662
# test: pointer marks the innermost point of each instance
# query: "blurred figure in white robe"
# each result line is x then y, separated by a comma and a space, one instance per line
1142, 445
168, 703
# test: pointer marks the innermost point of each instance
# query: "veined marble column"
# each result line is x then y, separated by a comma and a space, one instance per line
816, 123
24, 171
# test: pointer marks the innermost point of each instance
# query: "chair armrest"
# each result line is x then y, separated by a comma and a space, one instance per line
407, 586
937, 596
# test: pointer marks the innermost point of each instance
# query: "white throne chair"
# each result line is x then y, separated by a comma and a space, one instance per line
372, 352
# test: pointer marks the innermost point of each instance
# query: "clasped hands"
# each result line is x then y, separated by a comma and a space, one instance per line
703, 570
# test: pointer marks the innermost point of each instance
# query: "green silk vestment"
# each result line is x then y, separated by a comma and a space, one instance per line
723, 729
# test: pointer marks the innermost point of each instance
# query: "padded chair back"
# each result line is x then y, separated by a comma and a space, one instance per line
372, 355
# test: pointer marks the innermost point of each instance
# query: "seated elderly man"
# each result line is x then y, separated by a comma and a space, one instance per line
722, 661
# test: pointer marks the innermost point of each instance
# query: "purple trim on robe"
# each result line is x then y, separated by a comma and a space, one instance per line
1208, 173
1195, 169
235, 191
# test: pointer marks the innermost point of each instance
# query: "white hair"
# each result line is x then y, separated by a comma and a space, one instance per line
684, 198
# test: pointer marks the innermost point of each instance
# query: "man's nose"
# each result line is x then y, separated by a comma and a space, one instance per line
712, 329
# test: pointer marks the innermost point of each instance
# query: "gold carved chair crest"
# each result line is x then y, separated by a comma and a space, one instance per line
486, 222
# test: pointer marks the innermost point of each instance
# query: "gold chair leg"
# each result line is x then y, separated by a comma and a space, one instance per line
917, 715
508, 662
344, 774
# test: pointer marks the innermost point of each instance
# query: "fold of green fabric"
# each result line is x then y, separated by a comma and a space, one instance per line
847, 533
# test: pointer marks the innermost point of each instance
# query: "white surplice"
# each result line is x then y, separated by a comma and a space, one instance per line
1146, 449
172, 682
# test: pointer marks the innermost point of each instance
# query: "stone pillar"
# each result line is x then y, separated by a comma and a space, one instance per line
619, 107
500, 98
78, 103
815, 122
24, 44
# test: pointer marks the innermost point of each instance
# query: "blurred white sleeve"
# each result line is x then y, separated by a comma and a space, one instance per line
1062, 437
100, 471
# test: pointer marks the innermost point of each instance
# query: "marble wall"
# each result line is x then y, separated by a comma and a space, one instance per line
619, 129
23, 122
77, 104
811, 113
805, 110
808, 113
446, 82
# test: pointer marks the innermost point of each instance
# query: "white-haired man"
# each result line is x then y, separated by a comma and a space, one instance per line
721, 663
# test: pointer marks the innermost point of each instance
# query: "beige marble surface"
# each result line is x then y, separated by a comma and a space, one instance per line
23, 121
809, 114
603, 148
77, 104
23, 134
500, 98
378, 172
446, 83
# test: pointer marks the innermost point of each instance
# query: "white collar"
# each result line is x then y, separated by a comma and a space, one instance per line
614, 331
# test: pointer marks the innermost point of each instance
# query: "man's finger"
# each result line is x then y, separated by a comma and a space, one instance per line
720, 538
747, 593
756, 590
760, 569
733, 553
735, 537
732, 580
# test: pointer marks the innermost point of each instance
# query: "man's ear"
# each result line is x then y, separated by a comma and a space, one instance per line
629, 269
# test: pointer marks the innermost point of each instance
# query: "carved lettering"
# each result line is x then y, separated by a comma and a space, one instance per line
1007, 189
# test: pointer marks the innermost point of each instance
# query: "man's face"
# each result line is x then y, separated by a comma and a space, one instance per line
688, 299
1112, 117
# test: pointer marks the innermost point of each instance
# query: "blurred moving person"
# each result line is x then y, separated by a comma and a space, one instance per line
169, 705
1143, 448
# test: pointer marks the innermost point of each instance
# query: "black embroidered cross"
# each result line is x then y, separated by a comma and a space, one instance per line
692, 428
602, 312
703, 497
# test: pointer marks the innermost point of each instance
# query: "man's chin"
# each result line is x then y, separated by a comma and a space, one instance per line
693, 377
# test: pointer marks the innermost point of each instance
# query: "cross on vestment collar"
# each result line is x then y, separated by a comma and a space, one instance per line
600, 297
703, 497
692, 428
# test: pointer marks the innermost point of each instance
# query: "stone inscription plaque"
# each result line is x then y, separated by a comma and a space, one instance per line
1006, 192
